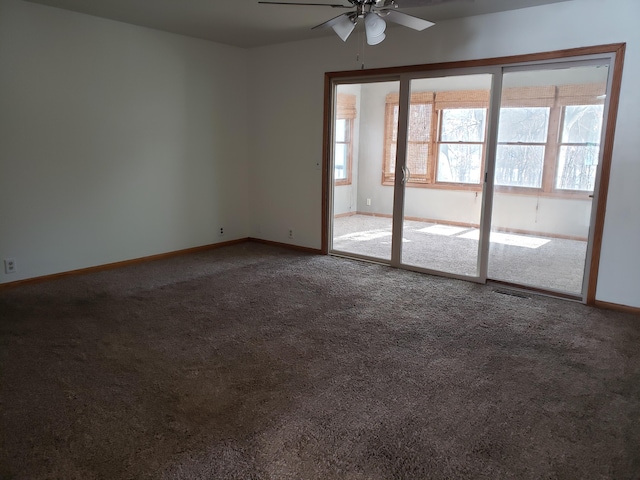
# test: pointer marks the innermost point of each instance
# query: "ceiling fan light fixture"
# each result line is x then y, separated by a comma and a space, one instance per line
374, 24
375, 40
343, 27
374, 27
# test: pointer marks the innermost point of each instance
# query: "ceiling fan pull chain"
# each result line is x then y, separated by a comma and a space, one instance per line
361, 48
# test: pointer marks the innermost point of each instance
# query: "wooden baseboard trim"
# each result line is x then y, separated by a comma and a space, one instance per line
374, 214
617, 307
124, 263
315, 251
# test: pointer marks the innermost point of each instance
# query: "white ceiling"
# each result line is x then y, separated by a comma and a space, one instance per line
245, 23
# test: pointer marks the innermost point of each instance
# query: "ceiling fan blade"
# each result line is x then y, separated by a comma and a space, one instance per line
414, 3
343, 24
332, 5
407, 20
332, 22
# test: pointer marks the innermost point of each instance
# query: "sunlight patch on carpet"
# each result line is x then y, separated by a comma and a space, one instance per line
446, 230
404, 240
509, 239
364, 236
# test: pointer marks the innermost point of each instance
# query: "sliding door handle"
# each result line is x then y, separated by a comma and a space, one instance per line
406, 175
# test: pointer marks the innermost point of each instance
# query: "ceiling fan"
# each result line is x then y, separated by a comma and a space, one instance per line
374, 13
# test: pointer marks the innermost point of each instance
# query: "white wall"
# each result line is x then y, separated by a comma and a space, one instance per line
286, 187
116, 141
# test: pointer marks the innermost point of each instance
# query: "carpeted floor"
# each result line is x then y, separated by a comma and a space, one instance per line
256, 362
533, 260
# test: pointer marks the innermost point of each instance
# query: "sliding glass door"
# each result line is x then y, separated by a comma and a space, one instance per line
480, 173
408, 178
444, 173
362, 206
549, 136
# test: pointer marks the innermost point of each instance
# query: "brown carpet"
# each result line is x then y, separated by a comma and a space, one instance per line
255, 362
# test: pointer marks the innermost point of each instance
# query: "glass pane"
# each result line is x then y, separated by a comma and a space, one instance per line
540, 238
459, 163
582, 124
439, 223
341, 130
526, 125
463, 125
340, 161
519, 165
577, 167
363, 208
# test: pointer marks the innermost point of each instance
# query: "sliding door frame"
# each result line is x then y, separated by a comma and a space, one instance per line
327, 155
612, 53
400, 189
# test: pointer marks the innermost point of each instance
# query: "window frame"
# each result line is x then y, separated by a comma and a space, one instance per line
547, 145
572, 144
439, 141
346, 110
555, 97
349, 152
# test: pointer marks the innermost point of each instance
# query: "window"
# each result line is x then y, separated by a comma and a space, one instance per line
579, 147
445, 137
462, 118
461, 145
548, 138
343, 138
522, 138
342, 150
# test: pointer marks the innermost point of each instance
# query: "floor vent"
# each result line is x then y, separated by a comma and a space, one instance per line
513, 293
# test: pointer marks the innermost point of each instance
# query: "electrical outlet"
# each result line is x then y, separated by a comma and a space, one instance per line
368, 202
221, 231
291, 233
9, 265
